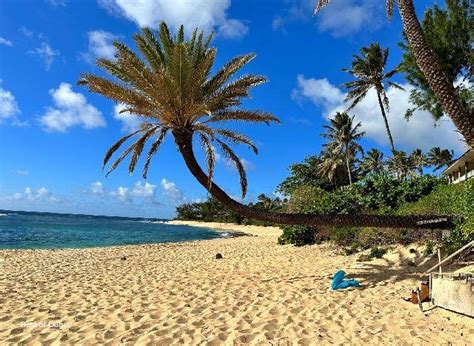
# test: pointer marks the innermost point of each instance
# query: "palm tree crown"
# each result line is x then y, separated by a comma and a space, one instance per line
343, 136
438, 157
173, 90
369, 71
373, 161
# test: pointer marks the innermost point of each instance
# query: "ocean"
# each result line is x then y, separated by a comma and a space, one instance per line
35, 230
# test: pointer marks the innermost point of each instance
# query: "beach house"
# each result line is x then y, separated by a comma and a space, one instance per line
461, 169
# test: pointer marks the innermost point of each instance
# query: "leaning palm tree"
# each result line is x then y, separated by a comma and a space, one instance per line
343, 136
418, 159
438, 157
427, 61
172, 90
373, 161
369, 71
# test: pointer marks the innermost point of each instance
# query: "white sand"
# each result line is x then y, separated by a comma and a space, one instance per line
260, 293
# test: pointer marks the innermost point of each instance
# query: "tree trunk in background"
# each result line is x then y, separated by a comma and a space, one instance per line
387, 127
348, 165
183, 140
427, 61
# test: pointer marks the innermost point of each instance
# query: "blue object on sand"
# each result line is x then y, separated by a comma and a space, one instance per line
338, 281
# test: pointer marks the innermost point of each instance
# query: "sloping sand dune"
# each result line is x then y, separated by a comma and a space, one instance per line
259, 293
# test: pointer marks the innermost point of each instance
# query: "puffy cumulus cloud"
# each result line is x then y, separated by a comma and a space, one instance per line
129, 121
8, 106
204, 14
419, 132
71, 109
340, 18
171, 192
139, 191
6, 42
97, 188
146, 190
100, 45
46, 53
41, 194
122, 193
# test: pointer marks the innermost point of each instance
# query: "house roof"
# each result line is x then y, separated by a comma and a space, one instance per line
468, 156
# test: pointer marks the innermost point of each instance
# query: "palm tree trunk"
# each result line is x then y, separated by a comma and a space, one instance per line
348, 165
427, 61
387, 127
184, 142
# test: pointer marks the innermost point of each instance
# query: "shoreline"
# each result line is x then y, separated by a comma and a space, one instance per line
253, 230
258, 293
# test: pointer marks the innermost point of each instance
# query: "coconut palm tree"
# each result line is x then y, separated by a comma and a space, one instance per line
438, 157
343, 136
172, 90
373, 161
418, 159
401, 165
427, 61
369, 71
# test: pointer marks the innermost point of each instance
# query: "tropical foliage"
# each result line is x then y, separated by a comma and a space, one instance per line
173, 91
450, 33
369, 71
342, 146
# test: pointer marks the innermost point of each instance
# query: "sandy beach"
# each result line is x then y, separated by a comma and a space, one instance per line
259, 293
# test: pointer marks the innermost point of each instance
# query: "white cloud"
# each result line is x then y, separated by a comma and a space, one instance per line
57, 2
26, 32
8, 106
171, 192
41, 194
146, 190
339, 18
205, 14
71, 109
22, 172
97, 188
129, 121
100, 45
418, 132
6, 42
46, 54
122, 193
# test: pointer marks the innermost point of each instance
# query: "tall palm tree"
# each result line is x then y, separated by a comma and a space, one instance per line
438, 157
172, 89
369, 71
343, 136
332, 166
418, 159
373, 161
401, 165
427, 61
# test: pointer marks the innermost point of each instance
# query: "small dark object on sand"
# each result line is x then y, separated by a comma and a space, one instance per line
124, 258
412, 251
219, 256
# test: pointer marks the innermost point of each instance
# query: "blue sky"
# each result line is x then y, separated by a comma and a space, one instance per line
53, 133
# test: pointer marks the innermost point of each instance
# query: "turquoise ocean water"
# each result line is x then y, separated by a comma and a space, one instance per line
33, 230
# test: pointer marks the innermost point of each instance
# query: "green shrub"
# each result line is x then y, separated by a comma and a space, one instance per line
344, 236
377, 252
298, 235
429, 248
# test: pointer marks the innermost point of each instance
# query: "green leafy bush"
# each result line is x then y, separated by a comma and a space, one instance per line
377, 252
298, 235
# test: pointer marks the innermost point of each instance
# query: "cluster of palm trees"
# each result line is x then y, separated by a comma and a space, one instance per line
343, 150
171, 88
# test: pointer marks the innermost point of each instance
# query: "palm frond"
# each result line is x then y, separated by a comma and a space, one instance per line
210, 158
238, 165
117, 145
153, 150
243, 115
237, 138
